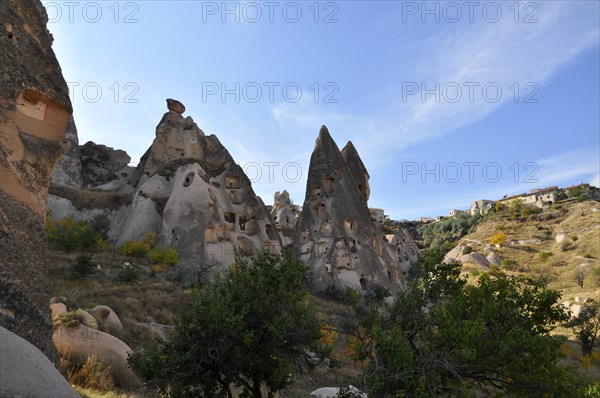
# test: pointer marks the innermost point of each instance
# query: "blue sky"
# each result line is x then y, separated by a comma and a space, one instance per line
446, 102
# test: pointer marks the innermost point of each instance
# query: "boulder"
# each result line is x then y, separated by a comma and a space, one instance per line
175, 106
107, 319
76, 343
26, 372
335, 234
331, 392
494, 259
475, 258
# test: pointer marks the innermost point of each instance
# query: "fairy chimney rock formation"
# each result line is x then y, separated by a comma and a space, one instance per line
284, 215
195, 197
335, 234
34, 112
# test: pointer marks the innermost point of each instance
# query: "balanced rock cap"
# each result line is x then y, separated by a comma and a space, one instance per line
175, 106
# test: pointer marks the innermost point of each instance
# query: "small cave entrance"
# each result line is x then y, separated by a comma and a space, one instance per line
232, 181
351, 227
230, 220
188, 179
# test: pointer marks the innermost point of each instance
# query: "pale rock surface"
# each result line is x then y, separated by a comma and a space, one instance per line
192, 194
331, 392
107, 319
68, 171
494, 259
406, 249
285, 216
76, 344
335, 235
26, 372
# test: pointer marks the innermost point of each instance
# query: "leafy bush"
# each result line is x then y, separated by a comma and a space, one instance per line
377, 293
343, 295
565, 246
471, 336
251, 328
442, 235
82, 267
498, 238
136, 248
530, 210
467, 250
129, 274
70, 235
164, 258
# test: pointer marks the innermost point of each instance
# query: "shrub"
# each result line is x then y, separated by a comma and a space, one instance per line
82, 267
565, 246
544, 256
377, 293
134, 249
129, 274
498, 238
574, 238
70, 235
467, 250
164, 258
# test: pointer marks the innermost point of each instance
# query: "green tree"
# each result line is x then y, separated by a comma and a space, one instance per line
586, 327
249, 328
444, 337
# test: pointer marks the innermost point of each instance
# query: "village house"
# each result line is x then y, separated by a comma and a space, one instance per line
536, 197
481, 206
454, 212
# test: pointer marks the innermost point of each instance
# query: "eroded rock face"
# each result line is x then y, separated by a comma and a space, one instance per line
34, 112
405, 248
335, 234
102, 165
194, 196
285, 215
68, 170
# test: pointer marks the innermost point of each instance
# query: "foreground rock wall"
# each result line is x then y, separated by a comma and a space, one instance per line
34, 111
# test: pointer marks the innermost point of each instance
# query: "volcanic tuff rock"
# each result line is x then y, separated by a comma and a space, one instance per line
195, 197
284, 215
406, 249
68, 170
34, 112
335, 234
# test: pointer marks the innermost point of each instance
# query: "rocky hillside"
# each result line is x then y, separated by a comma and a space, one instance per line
561, 244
